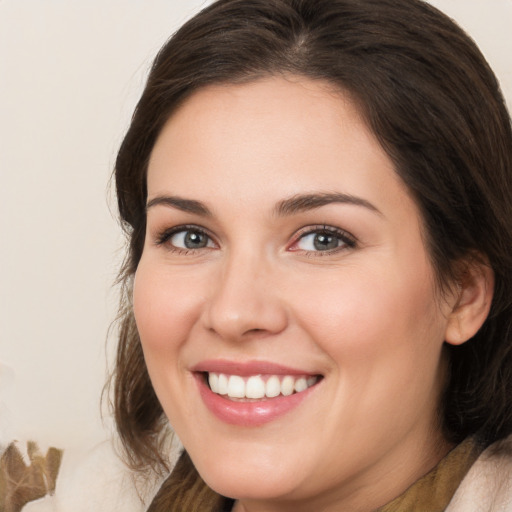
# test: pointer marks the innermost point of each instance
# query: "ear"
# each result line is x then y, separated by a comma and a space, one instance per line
473, 297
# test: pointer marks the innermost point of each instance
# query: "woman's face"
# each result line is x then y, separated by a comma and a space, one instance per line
284, 262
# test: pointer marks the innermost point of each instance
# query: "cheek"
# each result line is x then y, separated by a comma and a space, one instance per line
165, 313
383, 335
375, 315
164, 307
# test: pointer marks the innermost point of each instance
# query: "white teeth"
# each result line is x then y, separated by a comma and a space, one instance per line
256, 386
300, 385
236, 387
273, 387
287, 385
223, 385
213, 380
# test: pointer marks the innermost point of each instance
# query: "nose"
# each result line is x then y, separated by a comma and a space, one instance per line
244, 300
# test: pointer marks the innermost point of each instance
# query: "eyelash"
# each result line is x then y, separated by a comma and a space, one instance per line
348, 240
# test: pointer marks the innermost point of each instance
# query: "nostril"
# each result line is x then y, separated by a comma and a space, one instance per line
237, 313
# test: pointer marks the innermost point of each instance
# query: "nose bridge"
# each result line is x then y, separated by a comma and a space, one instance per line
243, 298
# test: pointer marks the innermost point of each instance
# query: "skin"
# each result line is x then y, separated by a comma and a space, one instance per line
366, 315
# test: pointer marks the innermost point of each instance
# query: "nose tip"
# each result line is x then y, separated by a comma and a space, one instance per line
244, 305
235, 326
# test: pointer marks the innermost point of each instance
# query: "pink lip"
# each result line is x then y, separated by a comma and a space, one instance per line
247, 368
253, 413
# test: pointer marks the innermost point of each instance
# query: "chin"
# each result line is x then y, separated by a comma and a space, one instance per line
250, 480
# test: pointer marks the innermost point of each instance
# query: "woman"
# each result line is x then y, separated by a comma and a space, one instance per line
318, 285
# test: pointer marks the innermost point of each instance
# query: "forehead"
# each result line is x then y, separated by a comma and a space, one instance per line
273, 137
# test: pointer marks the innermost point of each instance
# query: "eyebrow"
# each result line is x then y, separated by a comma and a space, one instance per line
304, 202
290, 206
185, 205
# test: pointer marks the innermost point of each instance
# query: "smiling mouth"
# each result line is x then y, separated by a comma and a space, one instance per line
258, 387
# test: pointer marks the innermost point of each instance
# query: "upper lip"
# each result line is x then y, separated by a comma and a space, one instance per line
247, 368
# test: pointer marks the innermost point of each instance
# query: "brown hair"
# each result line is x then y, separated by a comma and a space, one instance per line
434, 104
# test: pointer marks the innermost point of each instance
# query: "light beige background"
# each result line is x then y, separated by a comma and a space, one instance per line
70, 74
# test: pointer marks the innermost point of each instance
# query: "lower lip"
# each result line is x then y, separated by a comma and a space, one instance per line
249, 414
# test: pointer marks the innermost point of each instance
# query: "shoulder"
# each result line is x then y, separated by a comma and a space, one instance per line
488, 485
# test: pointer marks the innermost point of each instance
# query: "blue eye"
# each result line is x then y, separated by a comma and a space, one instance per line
324, 240
186, 239
319, 242
190, 239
